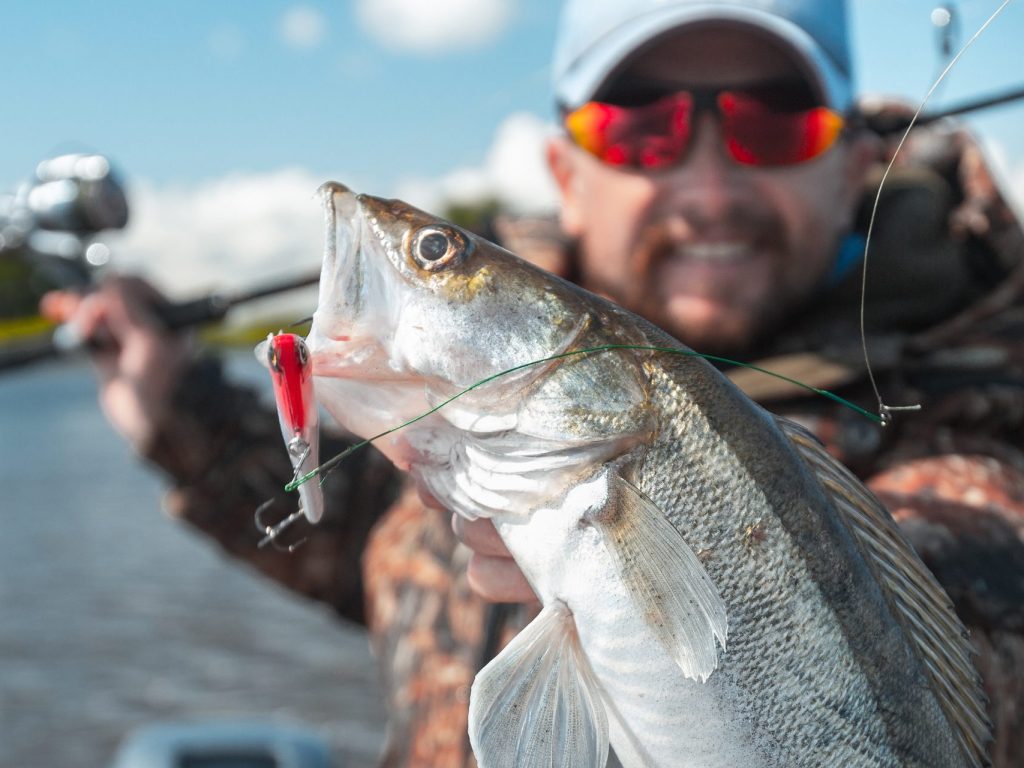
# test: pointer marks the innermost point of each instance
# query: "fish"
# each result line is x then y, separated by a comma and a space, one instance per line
288, 360
716, 589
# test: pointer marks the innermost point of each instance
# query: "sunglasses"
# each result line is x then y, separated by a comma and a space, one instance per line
756, 129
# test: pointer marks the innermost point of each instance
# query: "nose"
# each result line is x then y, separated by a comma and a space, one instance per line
707, 152
708, 176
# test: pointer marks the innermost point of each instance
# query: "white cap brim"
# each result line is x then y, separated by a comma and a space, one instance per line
578, 83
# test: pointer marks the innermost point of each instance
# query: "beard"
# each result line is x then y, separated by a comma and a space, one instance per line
719, 285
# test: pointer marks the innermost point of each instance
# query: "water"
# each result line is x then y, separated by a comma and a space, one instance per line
112, 616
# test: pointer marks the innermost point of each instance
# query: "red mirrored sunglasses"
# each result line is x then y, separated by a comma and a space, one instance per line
657, 135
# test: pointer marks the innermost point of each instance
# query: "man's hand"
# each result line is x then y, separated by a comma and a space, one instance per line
493, 574
138, 362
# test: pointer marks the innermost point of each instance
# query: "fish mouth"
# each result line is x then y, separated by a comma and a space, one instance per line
342, 212
341, 304
354, 320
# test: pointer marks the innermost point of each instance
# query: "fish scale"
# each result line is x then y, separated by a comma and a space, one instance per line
746, 590
851, 707
716, 590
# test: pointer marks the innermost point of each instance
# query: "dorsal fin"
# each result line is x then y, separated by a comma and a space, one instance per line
939, 637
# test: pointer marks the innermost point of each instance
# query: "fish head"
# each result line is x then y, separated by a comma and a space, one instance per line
412, 304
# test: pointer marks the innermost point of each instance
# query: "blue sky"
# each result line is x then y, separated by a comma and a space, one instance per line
194, 89
199, 98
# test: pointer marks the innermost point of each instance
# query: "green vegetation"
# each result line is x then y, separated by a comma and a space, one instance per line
21, 328
226, 335
476, 217
25, 330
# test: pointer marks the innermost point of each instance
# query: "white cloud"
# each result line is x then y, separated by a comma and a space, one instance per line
1016, 190
303, 27
225, 234
237, 231
433, 27
1008, 169
514, 172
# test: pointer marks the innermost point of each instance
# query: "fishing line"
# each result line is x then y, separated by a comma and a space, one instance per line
885, 411
331, 463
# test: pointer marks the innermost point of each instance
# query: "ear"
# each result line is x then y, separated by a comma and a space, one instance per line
562, 163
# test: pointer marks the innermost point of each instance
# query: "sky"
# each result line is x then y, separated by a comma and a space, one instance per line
223, 116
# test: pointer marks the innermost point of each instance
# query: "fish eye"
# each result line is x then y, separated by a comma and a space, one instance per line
432, 246
303, 354
435, 248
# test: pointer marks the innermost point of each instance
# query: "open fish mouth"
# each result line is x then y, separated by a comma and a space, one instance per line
350, 324
343, 232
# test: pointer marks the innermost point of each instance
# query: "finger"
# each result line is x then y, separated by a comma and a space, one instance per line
499, 580
91, 317
480, 536
59, 306
428, 499
133, 304
146, 345
87, 315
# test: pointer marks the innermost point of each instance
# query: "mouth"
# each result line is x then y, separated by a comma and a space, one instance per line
723, 253
713, 270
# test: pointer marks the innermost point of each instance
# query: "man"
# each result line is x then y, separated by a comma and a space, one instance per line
713, 175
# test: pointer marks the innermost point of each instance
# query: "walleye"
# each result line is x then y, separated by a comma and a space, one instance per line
291, 373
716, 589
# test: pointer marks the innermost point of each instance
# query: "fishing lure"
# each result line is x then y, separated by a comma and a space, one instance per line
291, 372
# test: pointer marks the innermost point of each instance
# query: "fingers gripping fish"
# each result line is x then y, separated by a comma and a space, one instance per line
626, 485
291, 372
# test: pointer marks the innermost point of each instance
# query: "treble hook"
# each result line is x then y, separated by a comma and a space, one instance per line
297, 446
273, 532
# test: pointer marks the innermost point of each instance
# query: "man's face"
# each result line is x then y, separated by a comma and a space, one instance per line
713, 251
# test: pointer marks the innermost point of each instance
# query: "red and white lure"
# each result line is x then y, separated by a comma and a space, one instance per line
291, 372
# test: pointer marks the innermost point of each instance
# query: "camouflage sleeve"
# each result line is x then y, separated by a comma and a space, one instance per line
223, 451
964, 514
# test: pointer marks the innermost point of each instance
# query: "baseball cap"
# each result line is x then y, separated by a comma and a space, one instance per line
596, 36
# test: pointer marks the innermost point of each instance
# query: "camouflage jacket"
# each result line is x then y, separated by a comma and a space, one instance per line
945, 321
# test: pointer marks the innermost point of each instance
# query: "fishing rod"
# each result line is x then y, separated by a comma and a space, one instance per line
47, 229
886, 124
172, 316
57, 209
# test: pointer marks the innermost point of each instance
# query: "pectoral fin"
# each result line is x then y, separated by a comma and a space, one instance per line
538, 702
673, 592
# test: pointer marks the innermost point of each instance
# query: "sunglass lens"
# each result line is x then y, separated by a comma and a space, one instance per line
652, 136
755, 134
